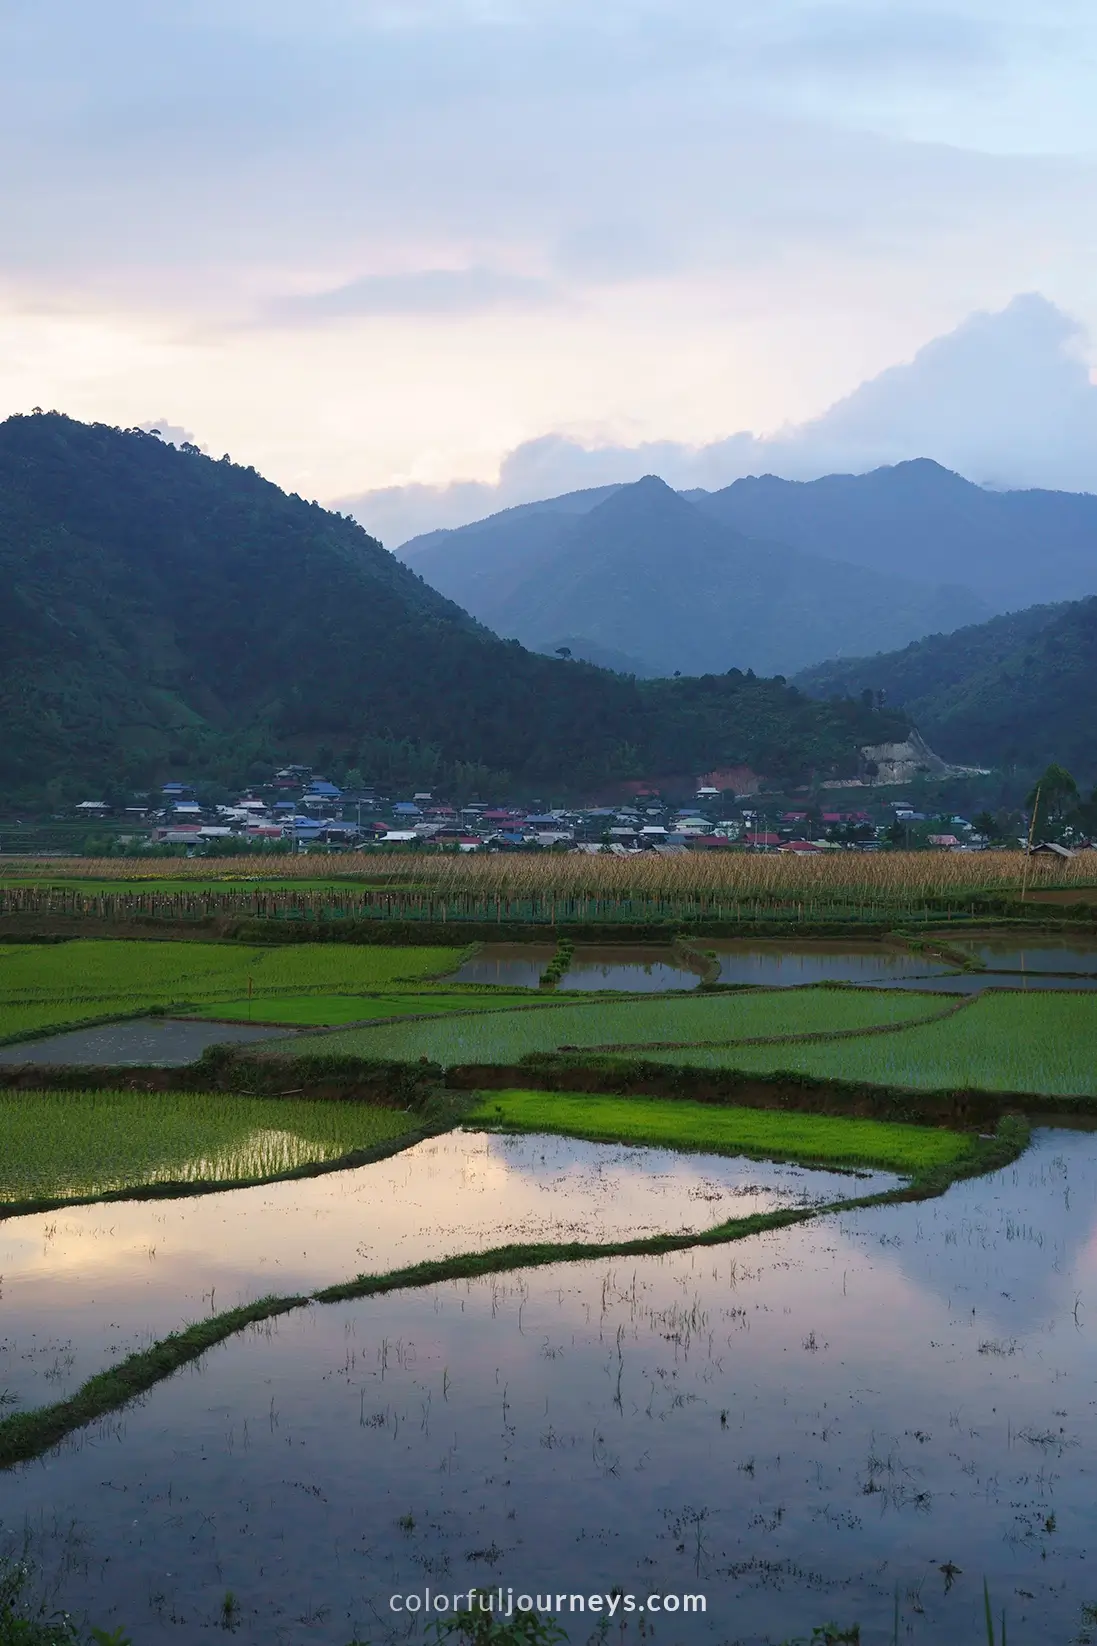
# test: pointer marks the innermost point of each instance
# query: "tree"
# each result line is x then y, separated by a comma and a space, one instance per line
1054, 797
564, 652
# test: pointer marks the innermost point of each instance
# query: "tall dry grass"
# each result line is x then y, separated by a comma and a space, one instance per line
720, 876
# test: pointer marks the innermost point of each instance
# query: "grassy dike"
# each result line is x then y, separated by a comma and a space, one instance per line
27, 1435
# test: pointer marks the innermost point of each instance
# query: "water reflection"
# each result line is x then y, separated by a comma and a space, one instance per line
744, 961
144, 1042
800, 1426
85, 1285
634, 967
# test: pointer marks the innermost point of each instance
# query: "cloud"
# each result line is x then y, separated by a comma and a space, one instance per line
1005, 399
421, 292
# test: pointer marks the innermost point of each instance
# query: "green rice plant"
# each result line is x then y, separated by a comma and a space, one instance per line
52, 985
507, 1036
1039, 1042
73, 1145
764, 1133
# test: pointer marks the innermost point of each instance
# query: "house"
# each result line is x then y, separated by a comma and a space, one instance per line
949, 841
1049, 848
762, 839
95, 808
801, 847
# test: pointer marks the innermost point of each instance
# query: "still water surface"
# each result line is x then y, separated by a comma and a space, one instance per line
636, 967
800, 1426
84, 1286
143, 1042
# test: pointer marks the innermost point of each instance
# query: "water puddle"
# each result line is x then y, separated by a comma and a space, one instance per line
146, 1041
86, 1285
799, 1427
639, 968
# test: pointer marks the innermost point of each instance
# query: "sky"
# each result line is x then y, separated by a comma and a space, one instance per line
368, 245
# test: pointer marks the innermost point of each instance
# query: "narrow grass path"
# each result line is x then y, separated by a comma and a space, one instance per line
27, 1435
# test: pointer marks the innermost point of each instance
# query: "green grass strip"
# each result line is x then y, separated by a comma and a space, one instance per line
26, 1435
769, 1134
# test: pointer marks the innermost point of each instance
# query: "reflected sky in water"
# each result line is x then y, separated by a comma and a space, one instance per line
797, 1424
83, 1286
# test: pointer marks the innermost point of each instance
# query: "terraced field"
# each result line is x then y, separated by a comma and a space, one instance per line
506, 1036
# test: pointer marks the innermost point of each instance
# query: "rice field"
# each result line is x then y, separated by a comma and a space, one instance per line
769, 1134
44, 986
72, 1145
506, 1036
1043, 1044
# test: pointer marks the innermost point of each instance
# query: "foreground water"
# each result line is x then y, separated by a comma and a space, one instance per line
84, 1286
803, 1426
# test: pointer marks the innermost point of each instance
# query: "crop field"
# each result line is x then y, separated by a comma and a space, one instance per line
70, 1145
47, 985
549, 889
772, 1135
1002, 1042
506, 1036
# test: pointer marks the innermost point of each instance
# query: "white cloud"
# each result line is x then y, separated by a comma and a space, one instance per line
1006, 399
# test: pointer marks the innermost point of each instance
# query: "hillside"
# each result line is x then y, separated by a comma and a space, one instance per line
919, 520
645, 573
1019, 689
161, 611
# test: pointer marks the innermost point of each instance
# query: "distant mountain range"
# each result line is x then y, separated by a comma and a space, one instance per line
1019, 689
639, 576
767, 574
165, 614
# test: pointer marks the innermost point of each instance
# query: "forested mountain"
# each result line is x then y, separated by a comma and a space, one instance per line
919, 520
161, 611
644, 572
1019, 689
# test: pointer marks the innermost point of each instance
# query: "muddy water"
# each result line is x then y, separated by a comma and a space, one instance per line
801, 1427
82, 1287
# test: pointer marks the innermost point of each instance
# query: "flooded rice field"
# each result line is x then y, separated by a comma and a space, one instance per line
1040, 954
145, 1042
876, 1410
790, 964
86, 1285
635, 967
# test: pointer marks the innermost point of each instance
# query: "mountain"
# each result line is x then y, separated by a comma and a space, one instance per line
1005, 399
920, 520
1020, 689
651, 574
165, 614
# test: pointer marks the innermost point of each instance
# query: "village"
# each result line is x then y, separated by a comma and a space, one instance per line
301, 810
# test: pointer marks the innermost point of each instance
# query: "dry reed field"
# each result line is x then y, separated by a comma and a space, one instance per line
730, 875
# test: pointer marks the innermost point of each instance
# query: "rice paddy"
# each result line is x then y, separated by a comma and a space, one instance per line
1038, 1044
506, 1036
45, 986
825, 1139
57, 1146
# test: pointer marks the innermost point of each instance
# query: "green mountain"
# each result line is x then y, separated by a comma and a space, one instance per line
165, 614
1021, 689
642, 571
